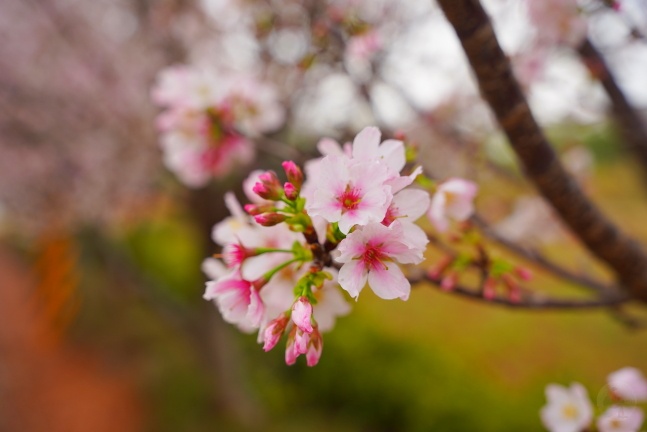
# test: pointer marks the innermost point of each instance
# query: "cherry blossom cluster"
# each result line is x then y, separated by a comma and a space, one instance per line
331, 29
569, 409
556, 23
347, 223
209, 118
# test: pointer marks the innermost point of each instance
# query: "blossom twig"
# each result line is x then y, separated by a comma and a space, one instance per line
529, 301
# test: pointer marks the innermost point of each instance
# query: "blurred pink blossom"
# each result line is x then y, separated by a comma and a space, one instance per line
568, 409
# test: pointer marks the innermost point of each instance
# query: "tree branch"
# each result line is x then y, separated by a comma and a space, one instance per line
541, 261
632, 127
500, 89
530, 302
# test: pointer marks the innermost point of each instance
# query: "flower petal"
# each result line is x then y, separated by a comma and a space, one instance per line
352, 277
389, 282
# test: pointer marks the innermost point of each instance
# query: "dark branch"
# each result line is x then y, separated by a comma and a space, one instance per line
502, 92
530, 301
541, 261
631, 126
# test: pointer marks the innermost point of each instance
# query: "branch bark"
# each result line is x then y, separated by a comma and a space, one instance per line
631, 126
500, 89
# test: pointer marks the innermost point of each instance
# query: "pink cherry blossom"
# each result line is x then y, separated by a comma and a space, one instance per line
349, 194
568, 409
330, 147
237, 299
255, 104
367, 147
302, 314
629, 383
234, 227
234, 254
407, 205
214, 269
368, 255
453, 200
364, 46
621, 419
195, 161
557, 21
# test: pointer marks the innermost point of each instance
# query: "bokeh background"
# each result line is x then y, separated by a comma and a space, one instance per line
103, 322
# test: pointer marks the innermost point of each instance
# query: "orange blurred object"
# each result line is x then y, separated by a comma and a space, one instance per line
47, 386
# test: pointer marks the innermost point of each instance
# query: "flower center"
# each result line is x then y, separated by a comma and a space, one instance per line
570, 412
349, 199
373, 257
390, 216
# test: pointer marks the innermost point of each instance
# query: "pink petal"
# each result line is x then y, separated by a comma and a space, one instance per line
352, 277
366, 143
389, 283
392, 153
411, 203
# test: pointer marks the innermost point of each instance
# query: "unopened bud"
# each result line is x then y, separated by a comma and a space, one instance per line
439, 268
256, 209
291, 353
514, 292
268, 186
270, 219
274, 331
489, 288
302, 314
400, 135
291, 192
314, 349
523, 273
449, 282
294, 174
301, 342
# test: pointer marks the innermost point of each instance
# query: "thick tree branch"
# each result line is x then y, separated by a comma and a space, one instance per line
500, 89
632, 127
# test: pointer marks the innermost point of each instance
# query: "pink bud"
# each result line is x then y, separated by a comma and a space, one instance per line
437, 270
266, 192
489, 288
514, 293
256, 209
270, 219
400, 135
290, 353
523, 273
274, 331
302, 313
515, 296
291, 192
268, 186
294, 174
301, 341
449, 282
314, 349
